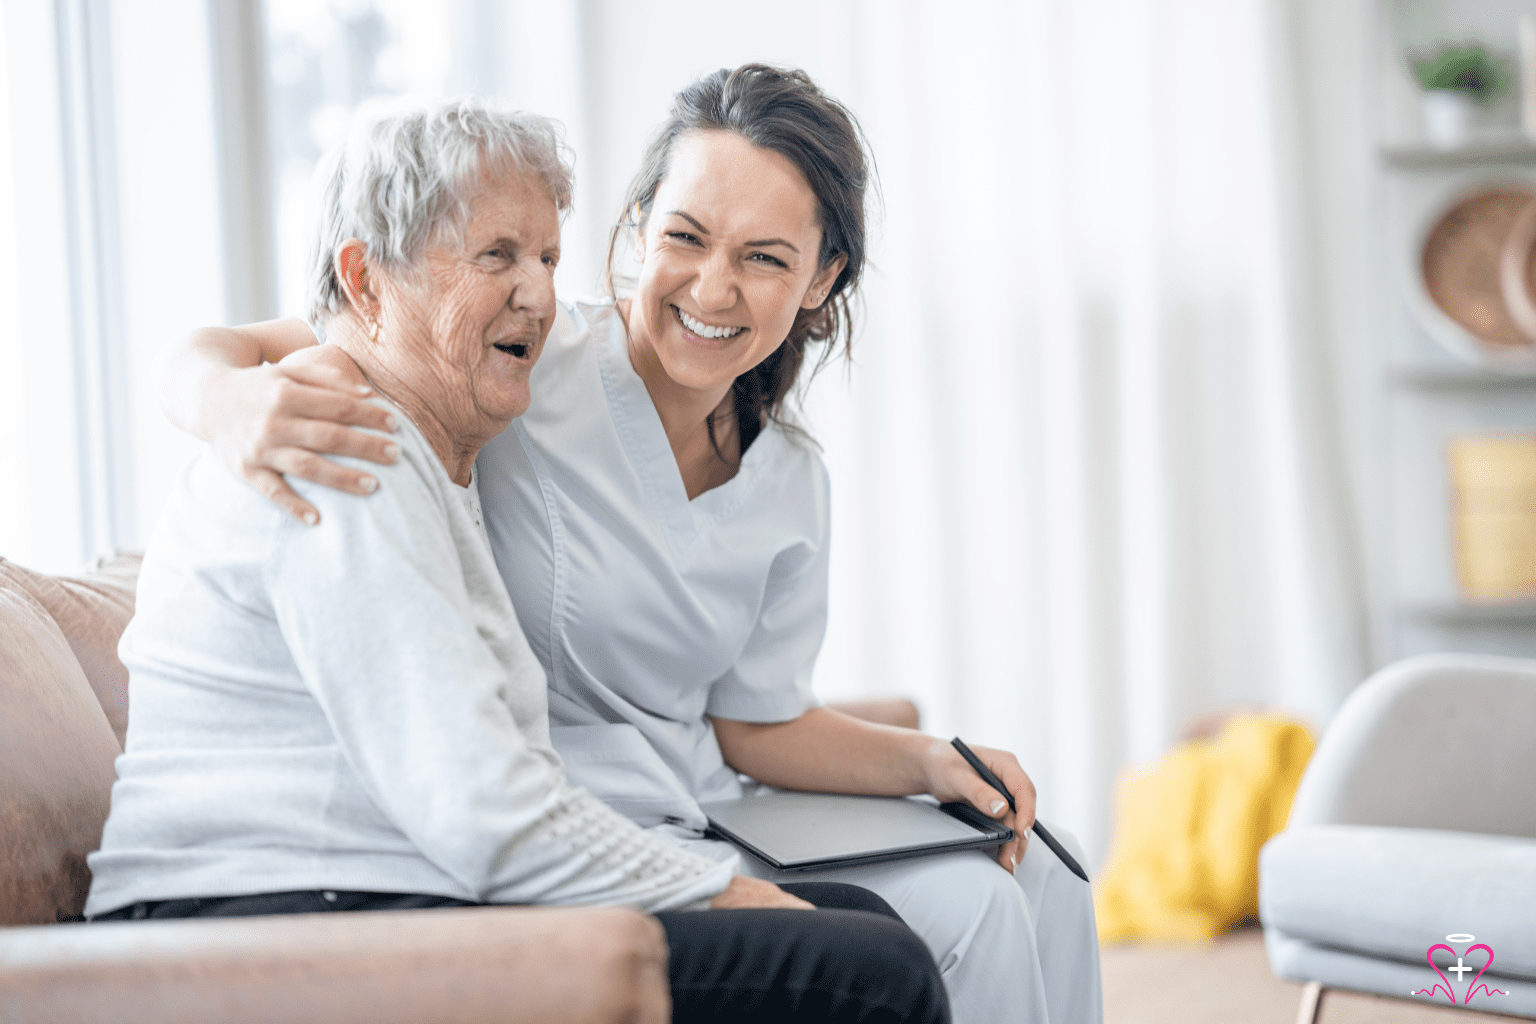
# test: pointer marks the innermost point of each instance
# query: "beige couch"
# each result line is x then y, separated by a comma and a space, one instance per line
63, 715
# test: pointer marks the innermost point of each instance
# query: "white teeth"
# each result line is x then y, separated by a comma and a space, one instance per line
703, 330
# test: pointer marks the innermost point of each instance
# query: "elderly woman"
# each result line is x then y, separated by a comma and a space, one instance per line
349, 716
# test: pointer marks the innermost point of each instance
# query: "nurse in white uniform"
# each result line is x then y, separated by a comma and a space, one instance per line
663, 531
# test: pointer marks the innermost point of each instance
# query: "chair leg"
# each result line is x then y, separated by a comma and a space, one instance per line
1311, 1009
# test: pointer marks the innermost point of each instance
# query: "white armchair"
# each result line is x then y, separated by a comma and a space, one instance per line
1415, 822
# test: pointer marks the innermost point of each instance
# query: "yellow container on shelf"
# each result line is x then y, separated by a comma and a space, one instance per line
1493, 516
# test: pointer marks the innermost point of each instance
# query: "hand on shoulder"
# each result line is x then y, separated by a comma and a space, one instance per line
282, 419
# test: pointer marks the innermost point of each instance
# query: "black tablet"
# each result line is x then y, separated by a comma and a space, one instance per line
809, 831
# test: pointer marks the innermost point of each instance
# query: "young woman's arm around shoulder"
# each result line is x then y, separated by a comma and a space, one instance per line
271, 401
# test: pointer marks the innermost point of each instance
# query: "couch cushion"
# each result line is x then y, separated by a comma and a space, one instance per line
1394, 892
92, 610
56, 767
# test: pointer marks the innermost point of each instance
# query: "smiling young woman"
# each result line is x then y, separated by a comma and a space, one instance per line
663, 528
731, 250
779, 169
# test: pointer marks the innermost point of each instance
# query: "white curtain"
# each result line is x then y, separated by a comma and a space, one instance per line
1091, 473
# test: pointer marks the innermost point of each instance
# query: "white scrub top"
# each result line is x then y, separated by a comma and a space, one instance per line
651, 612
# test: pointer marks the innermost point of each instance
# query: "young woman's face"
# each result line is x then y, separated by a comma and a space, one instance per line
729, 256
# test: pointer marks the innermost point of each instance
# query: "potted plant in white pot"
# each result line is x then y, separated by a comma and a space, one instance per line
1456, 78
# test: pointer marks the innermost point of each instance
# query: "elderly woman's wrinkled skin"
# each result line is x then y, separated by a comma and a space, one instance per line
459, 332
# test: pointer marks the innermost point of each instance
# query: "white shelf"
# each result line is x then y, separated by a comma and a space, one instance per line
1493, 151
1420, 396
1475, 614
1457, 378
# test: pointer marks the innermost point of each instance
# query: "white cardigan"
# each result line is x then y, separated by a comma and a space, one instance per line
351, 706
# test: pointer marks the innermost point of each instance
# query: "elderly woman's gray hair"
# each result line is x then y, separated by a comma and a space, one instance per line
399, 181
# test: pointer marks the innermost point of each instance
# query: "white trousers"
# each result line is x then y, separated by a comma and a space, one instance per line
1021, 949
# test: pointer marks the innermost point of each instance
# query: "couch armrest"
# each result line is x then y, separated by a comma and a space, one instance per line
1438, 741
503, 964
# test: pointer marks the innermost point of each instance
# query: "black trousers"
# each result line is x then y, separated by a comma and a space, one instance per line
853, 960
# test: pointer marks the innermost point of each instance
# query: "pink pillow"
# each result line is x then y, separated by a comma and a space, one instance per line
92, 610
56, 766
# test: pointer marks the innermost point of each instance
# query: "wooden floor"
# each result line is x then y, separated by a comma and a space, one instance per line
1229, 982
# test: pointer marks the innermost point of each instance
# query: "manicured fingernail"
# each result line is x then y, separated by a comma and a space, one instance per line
364, 389
392, 452
389, 422
368, 485
998, 805
1012, 862
311, 517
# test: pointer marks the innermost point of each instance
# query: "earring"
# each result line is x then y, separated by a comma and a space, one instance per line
373, 329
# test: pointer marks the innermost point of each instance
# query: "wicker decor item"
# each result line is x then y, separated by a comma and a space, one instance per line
1461, 266
1493, 515
1515, 272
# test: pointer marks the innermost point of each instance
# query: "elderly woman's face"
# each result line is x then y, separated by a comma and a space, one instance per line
482, 304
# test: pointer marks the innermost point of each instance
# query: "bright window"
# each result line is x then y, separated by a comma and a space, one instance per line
325, 61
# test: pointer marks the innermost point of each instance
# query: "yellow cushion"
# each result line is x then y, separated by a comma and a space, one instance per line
1185, 862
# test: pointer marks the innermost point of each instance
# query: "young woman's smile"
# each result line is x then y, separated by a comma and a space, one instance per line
704, 334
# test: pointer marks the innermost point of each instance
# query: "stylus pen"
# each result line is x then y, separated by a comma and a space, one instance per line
1039, 829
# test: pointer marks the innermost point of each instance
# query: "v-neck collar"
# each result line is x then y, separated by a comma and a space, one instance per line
685, 523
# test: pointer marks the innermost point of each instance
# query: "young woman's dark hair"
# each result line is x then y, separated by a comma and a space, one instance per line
784, 111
